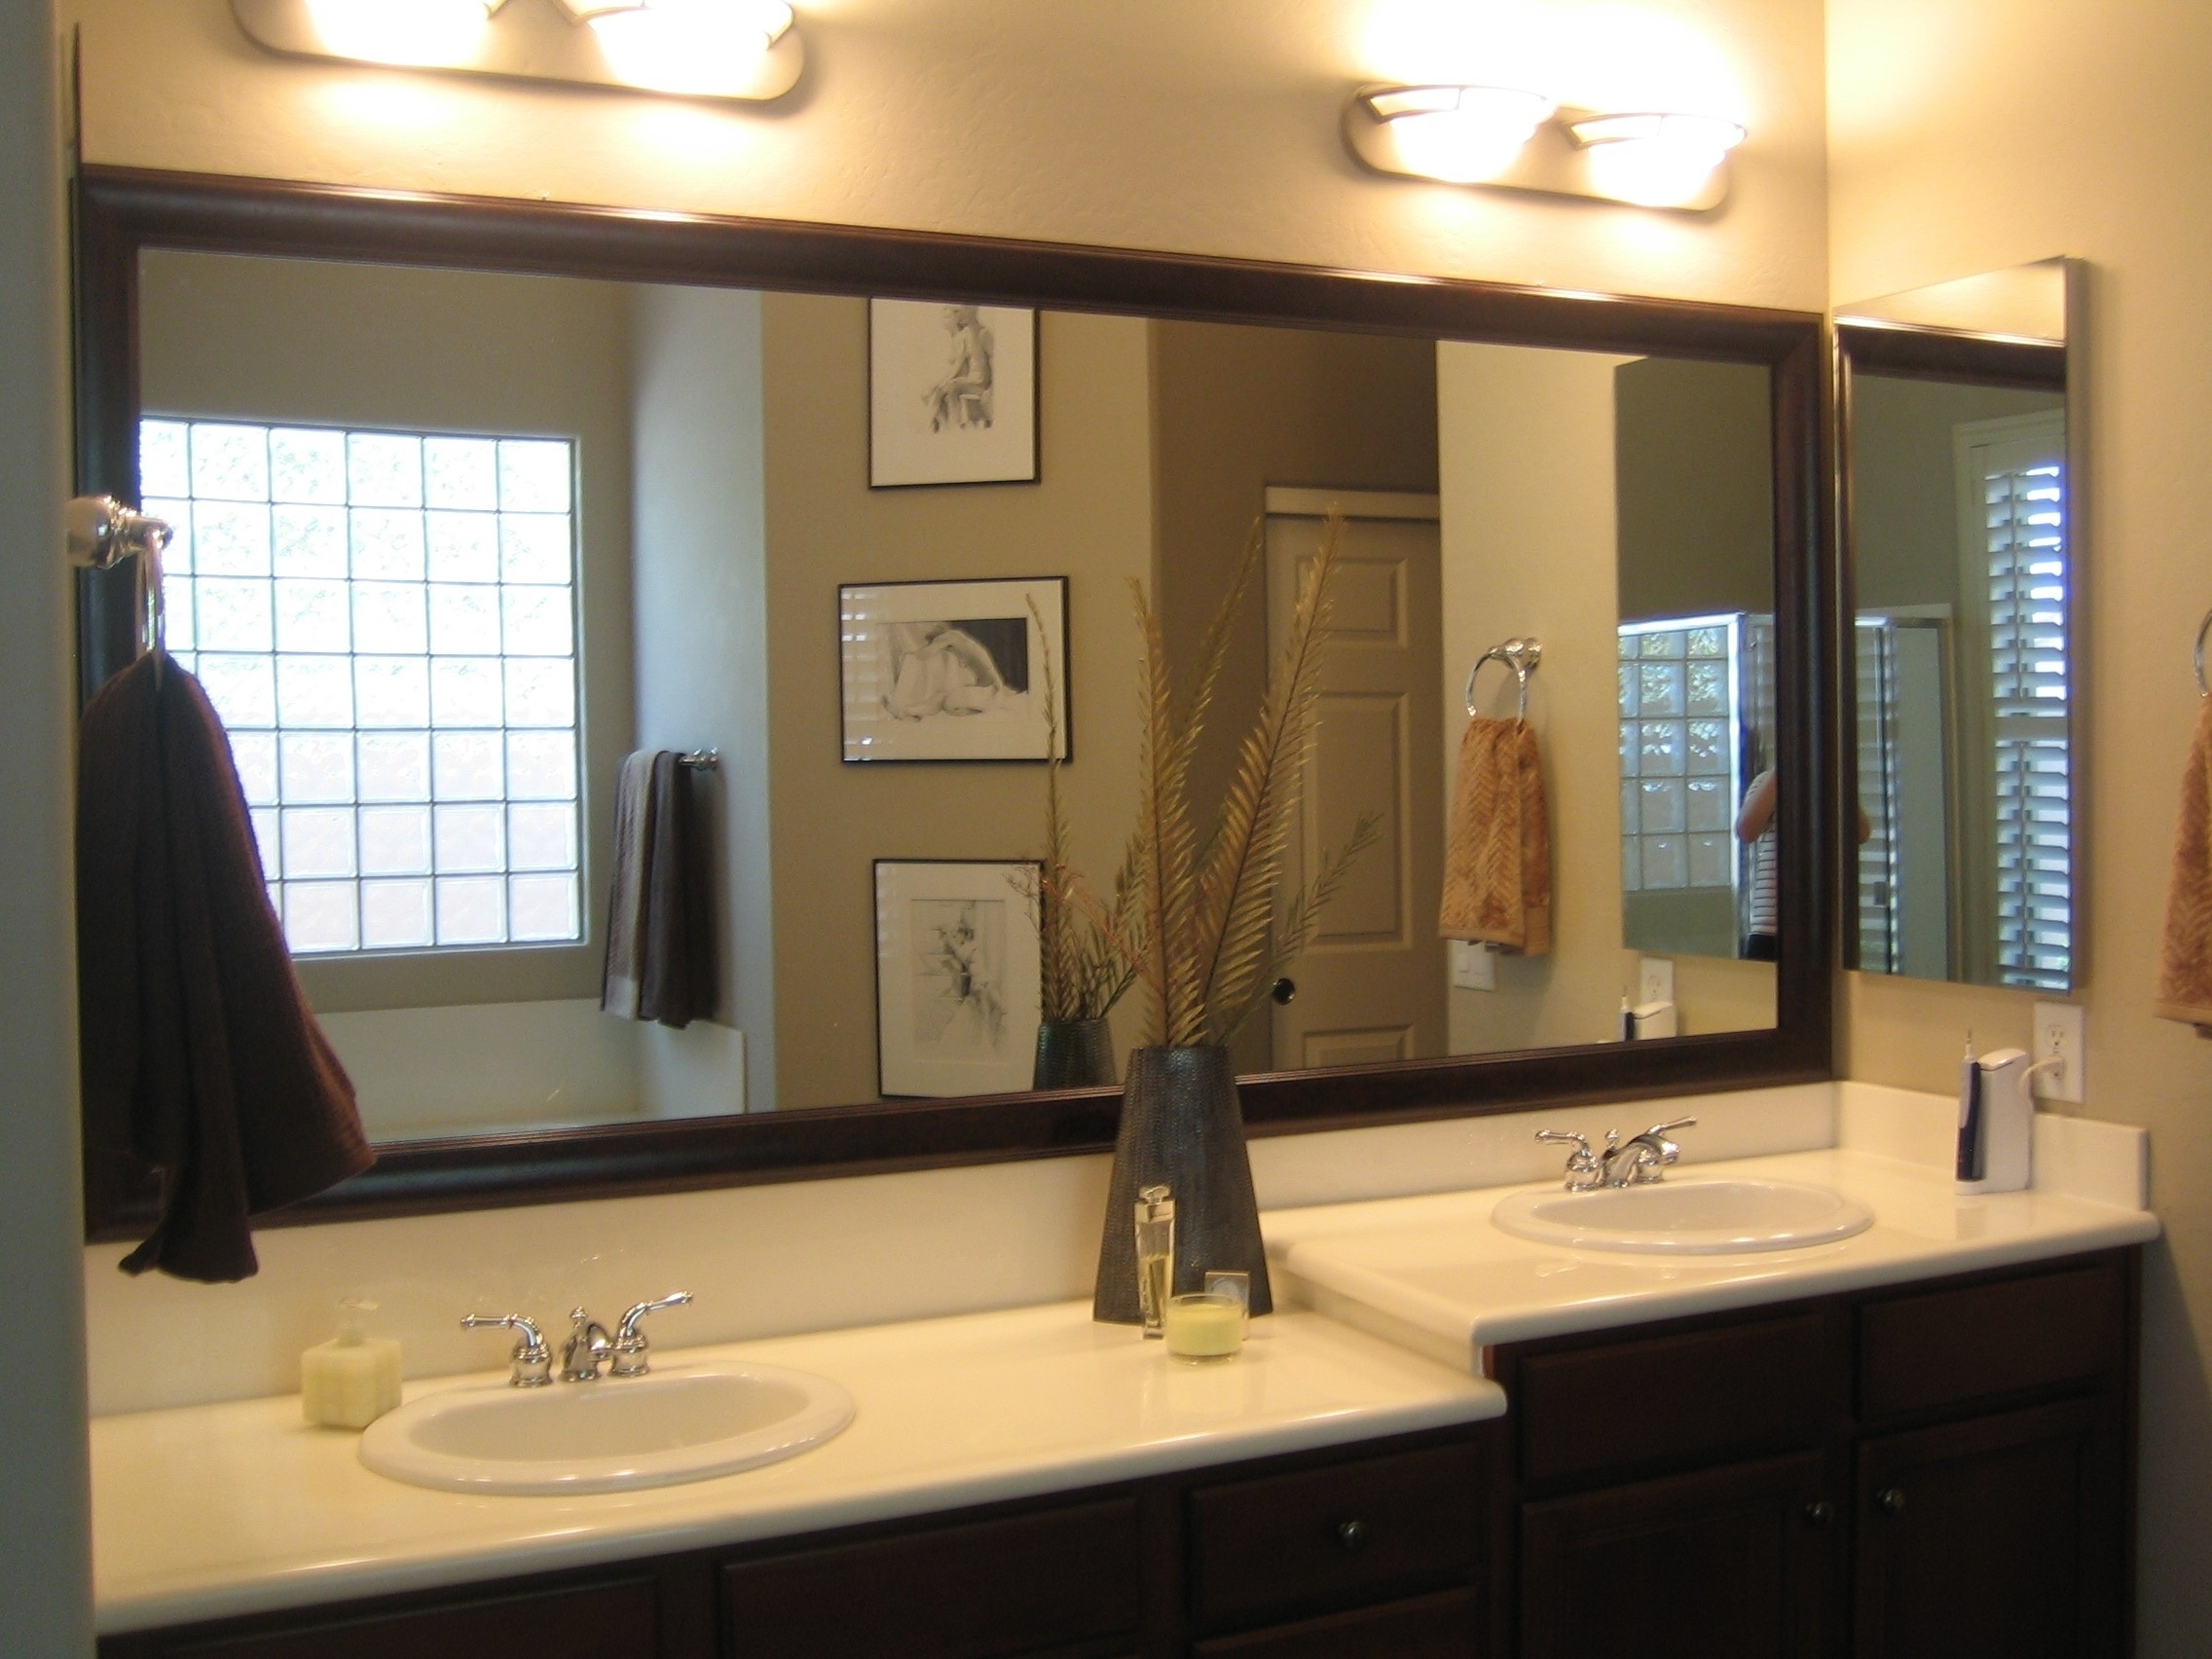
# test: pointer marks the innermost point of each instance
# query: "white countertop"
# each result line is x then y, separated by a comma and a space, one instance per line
210, 1511
1432, 1273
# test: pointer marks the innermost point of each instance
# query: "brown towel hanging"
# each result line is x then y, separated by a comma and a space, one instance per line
661, 935
199, 1053
1497, 860
2185, 965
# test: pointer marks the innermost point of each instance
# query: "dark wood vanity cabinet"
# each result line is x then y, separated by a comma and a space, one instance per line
1927, 1472
1936, 1471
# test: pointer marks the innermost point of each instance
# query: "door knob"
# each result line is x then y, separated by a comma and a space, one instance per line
1819, 1512
1284, 991
1892, 1500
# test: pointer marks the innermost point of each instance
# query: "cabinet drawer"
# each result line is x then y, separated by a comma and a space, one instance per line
1695, 1394
608, 1621
1435, 1627
1267, 1548
1953, 1348
1018, 1585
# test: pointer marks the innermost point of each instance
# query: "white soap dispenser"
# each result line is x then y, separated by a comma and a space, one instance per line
1997, 1122
353, 1379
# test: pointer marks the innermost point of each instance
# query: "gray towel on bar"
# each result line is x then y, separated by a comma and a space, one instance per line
660, 931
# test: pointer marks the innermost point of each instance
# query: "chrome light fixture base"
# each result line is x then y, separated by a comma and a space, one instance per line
1647, 158
518, 40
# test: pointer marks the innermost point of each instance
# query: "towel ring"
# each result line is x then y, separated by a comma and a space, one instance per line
1520, 656
2202, 628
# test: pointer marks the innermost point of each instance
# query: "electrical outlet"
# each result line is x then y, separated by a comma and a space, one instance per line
1474, 966
2062, 1035
1655, 981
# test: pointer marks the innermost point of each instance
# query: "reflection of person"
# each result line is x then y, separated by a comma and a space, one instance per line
1754, 827
963, 398
938, 669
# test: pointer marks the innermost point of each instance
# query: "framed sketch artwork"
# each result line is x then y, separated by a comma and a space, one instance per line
958, 991
954, 670
952, 394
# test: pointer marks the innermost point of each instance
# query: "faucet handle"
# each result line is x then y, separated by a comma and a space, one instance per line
630, 1343
1649, 1168
1583, 1170
532, 1363
1670, 1128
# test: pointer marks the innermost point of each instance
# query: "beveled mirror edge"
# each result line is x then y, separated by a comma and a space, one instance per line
119, 211
1924, 350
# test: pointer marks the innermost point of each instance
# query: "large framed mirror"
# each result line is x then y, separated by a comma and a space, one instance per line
1960, 453
480, 498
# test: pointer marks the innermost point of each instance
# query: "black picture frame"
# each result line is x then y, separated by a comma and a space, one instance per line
984, 630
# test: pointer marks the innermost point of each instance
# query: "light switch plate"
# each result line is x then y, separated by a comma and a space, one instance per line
2062, 1033
1474, 966
1655, 981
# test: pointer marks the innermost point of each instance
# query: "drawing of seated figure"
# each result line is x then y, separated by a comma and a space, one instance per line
940, 668
963, 398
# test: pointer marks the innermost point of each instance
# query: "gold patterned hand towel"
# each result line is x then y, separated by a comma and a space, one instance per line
1497, 864
2185, 966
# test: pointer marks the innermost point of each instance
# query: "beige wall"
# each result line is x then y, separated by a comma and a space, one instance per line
1147, 124
1695, 455
1974, 134
1233, 410
1089, 519
45, 1567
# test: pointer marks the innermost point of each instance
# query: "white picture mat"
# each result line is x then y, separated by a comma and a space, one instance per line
931, 1050
1014, 728
913, 355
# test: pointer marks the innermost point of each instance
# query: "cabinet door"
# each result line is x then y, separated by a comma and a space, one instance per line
610, 1621
1999, 1537
1740, 1563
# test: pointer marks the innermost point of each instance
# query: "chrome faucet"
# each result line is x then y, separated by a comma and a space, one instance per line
630, 1346
532, 1365
1638, 1161
586, 1349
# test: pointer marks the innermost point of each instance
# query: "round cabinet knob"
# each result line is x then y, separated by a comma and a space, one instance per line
1284, 991
1352, 1537
1892, 1500
1819, 1512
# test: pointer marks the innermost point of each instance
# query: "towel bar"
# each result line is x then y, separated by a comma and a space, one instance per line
2202, 689
1521, 657
702, 760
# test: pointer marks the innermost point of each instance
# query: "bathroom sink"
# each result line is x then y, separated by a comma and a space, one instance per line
1687, 1218
684, 1424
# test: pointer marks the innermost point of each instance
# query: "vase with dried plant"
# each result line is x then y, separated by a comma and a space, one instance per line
1088, 951
1213, 930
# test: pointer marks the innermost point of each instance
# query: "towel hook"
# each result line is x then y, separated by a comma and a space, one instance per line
1521, 657
2202, 689
102, 532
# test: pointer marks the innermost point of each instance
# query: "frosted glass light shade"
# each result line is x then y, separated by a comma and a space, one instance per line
1656, 159
401, 31
1461, 134
701, 46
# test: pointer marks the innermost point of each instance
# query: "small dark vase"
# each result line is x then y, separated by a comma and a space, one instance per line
1182, 1129
1074, 1053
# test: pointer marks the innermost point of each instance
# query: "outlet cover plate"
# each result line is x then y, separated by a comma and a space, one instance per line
1474, 966
1655, 981
2062, 1034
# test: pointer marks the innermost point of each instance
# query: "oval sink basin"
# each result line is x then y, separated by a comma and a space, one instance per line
1689, 1218
685, 1423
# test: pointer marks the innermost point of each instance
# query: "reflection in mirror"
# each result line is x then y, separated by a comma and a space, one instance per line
1959, 512
456, 543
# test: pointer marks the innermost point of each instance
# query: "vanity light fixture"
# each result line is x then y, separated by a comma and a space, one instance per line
1461, 134
718, 49
1653, 159
701, 48
1518, 139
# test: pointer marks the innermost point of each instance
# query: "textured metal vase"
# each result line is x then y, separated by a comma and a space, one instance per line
1182, 1129
1074, 1053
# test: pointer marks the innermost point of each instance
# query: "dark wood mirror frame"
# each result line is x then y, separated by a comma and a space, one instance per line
121, 212
1907, 352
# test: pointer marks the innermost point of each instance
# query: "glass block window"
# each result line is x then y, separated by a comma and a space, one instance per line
1680, 706
385, 622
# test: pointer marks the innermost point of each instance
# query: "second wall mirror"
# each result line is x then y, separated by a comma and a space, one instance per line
1962, 434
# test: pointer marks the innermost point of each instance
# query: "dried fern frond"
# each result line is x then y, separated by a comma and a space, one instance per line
1085, 967
1166, 853
1238, 881
1303, 917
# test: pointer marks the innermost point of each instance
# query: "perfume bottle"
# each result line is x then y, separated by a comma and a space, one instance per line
1155, 1256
